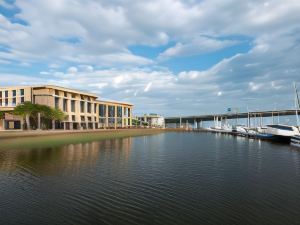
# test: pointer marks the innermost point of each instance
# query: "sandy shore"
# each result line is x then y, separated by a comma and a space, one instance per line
34, 139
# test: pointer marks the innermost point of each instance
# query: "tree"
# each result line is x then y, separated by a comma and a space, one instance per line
35, 111
56, 114
25, 110
2, 115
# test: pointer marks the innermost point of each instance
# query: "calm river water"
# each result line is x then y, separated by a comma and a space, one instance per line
170, 178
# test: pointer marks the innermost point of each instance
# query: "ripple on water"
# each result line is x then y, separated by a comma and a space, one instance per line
172, 178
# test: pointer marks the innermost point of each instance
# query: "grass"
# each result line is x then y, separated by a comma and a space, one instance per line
43, 140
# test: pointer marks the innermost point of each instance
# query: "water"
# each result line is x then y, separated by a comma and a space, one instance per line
170, 178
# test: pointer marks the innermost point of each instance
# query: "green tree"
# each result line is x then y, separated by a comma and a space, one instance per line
37, 112
25, 110
56, 115
2, 115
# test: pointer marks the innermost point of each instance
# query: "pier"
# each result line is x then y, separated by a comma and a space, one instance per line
197, 120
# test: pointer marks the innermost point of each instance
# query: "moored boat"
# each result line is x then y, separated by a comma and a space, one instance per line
295, 141
282, 132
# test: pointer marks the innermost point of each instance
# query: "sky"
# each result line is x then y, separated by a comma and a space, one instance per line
171, 57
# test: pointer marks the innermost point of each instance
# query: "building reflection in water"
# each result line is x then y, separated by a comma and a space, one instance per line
72, 157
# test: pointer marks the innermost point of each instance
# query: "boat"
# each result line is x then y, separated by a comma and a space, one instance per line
264, 136
282, 132
295, 141
240, 130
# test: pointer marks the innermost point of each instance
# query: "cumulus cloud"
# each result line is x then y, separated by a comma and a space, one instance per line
86, 45
197, 46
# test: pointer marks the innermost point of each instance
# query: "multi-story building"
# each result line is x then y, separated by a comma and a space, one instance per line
83, 110
152, 120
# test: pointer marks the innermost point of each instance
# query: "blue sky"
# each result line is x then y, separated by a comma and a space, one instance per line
171, 57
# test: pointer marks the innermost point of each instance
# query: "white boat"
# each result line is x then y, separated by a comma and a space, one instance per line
295, 141
282, 132
221, 129
241, 130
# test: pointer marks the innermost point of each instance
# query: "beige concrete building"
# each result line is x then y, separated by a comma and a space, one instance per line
83, 110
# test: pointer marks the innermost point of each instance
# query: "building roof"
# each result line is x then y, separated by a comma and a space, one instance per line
66, 89
52, 87
72, 91
114, 102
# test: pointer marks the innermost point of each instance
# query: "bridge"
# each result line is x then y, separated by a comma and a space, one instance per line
181, 120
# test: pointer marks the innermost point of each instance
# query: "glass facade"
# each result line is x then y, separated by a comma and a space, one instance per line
72, 105
82, 107
56, 100
119, 111
65, 105
89, 107
111, 111
102, 110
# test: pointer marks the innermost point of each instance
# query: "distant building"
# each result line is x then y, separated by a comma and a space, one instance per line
83, 110
152, 120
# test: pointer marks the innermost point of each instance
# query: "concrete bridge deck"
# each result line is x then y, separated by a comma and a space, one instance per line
238, 115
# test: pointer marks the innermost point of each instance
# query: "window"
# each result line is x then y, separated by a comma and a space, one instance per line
0, 94
82, 97
129, 112
56, 102
14, 101
95, 108
22, 99
21, 92
82, 118
57, 92
65, 94
6, 94
73, 118
65, 105
72, 105
89, 119
14, 93
119, 111
82, 108
6, 102
0, 98
102, 110
111, 111
89, 107
73, 96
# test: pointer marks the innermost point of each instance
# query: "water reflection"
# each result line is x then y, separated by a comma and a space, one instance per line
171, 178
68, 157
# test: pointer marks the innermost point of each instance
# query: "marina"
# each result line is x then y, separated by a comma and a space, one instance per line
254, 128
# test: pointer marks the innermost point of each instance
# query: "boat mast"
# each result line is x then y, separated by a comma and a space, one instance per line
297, 103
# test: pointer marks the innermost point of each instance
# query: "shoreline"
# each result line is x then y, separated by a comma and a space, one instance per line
43, 139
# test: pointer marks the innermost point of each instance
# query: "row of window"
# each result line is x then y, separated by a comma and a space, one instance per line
4, 94
13, 102
73, 105
82, 97
101, 120
111, 111
88, 108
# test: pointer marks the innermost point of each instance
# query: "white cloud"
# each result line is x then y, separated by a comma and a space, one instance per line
197, 46
147, 88
94, 35
72, 70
